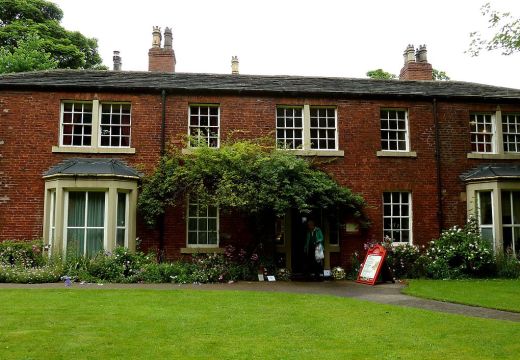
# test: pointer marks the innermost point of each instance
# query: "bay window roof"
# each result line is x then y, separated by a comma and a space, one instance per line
92, 167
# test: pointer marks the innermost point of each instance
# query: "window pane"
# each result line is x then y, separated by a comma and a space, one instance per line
75, 242
485, 208
121, 209
94, 241
506, 208
76, 211
120, 238
192, 238
96, 209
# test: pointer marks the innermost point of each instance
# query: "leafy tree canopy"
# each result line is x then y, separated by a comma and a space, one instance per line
505, 37
22, 19
28, 56
440, 75
246, 176
380, 74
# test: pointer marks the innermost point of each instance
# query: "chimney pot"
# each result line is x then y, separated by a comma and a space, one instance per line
117, 61
422, 54
156, 37
234, 65
168, 38
409, 54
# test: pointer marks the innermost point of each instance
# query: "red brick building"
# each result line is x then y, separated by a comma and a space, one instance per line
424, 154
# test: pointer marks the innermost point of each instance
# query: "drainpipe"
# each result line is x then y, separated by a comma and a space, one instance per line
163, 121
163, 145
440, 210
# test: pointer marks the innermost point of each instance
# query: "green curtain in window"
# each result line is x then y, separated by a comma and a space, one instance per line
75, 223
95, 222
121, 219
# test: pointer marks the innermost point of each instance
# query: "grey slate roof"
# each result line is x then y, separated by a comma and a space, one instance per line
92, 167
492, 171
133, 81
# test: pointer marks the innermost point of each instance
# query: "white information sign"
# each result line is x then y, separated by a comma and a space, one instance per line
370, 267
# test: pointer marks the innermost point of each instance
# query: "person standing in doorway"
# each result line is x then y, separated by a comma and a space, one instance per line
313, 239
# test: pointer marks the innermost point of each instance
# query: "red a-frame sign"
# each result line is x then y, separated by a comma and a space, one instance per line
371, 267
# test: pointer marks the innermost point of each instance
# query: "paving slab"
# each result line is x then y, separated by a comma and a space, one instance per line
383, 293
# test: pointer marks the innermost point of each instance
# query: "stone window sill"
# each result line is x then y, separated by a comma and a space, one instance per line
503, 156
299, 152
92, 150
323, 153
202, 250
408, 154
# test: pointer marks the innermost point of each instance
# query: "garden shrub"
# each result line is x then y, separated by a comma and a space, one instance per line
30, 275
21, 253
460, 253
404, 261
507, 266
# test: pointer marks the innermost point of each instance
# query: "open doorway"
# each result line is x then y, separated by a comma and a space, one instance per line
298, 236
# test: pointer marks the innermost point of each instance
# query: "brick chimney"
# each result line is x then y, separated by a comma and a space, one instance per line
117, 61
161, 59
234, 65
416, 66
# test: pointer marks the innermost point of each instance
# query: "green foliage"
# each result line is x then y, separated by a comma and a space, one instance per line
440, 75
32, 275
21, 20
380, 74
405, 261
460, 253
246, 176
507, 266
28, 56
505, 37
21, 253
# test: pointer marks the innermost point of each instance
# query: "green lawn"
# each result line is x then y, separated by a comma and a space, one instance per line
191, 324
495, 294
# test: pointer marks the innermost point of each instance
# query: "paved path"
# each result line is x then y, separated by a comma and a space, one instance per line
384, 294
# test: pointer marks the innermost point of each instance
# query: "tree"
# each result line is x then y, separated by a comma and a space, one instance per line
23, 19
380, 74
440, 75
506, 35
28, 56
248, 177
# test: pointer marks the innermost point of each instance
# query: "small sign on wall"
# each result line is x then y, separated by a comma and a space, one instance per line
351, 227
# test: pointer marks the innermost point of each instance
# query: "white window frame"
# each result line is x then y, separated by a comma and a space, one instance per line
52, 218
493, 134
505, 132
514, 226
479, 214
306, 148
85, 227
99, 116
95, 141
397, 131
62, 124
280, 141
127, 218
400, 217
327, 128
217, 106
188, 217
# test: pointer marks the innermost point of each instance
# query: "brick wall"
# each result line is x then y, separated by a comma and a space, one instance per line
30, 127
161, 60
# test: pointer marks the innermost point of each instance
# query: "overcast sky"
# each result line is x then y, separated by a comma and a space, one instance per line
323, 38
